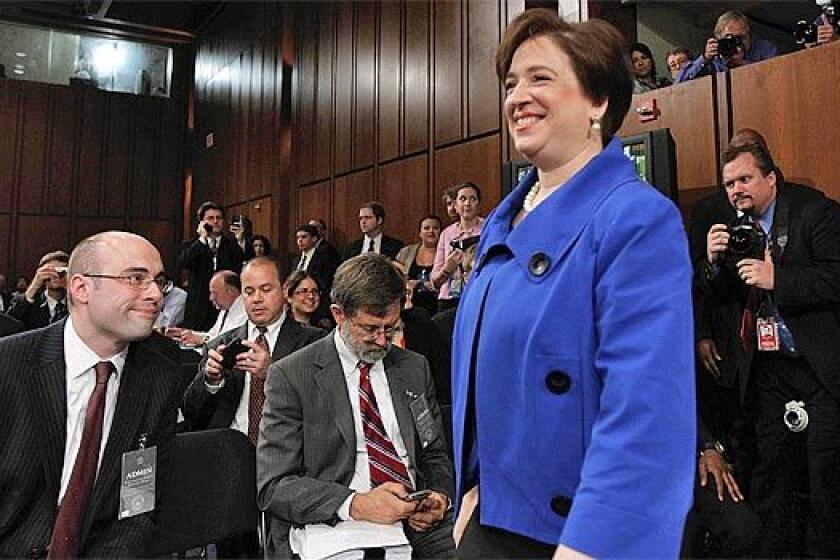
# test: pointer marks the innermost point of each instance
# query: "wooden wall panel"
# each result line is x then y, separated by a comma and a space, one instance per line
417, 77
350, 192
688, 110
800, 119
476, 161
10, 97
324, 86
404, 192
483, 90
162, 235
6, 247
365, 84
87, 226
314, 201
448, 63
33, 160
118, 154
37, 236
306, 80
92, 137
389, 70
62, 149
345, 77
146, 137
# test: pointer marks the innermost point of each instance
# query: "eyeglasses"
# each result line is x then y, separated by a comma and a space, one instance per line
306, 292
372, 331
137, 280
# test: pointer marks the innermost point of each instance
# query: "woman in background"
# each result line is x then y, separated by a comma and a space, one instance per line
261, 246
573, 358
644, 70
418, 260
303, 296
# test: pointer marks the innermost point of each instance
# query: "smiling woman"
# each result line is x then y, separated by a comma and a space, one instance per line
573, 388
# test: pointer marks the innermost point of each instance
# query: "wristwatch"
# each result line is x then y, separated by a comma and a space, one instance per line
713, 445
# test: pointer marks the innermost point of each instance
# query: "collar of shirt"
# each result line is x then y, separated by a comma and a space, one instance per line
271, 332
377, 241
51, 303
471, 231
308, 254
79, 358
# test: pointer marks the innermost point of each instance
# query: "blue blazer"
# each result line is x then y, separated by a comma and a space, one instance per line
582, 379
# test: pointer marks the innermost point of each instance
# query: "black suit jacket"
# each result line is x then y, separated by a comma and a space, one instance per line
33, 410
807, 280
204, 410
321, 266
10, 325
389, 247
33, 315
199, 312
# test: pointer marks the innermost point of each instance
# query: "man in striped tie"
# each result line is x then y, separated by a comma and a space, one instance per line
351, 428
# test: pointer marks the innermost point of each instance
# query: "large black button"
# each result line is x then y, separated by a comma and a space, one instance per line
561, 505
539, 263
558, 382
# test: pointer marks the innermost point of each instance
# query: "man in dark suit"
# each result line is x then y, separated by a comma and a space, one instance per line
322, 244
351, 426
44, 301
209, 253
5, 295
232, 398
789, 330
371, 222
70, 388
317, 263
10, 325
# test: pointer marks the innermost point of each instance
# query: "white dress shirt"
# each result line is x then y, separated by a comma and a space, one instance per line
379, 382
226, 321
79, 361
377, 244
306, 258
172, 308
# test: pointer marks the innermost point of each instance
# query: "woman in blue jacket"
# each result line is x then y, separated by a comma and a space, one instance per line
573, 389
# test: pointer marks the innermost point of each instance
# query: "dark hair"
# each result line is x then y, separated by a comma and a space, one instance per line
265, 260
679, 50
294, 280
208, 206
451, 192
429, 217
746, 136
231, 279
322, 225
377, 209
467, 185
645, 50
596, 51
266, 243
311, 230
762, 156
59, 256
367, 282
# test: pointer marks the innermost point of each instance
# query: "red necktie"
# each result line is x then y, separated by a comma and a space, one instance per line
64, 542
385, 464
256, 396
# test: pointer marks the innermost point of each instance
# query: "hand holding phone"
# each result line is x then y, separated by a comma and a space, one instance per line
231, 351
418, 496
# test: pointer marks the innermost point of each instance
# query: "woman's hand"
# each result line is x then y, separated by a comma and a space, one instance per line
468, 506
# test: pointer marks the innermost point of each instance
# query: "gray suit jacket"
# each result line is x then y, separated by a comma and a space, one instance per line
307, 448
206, 411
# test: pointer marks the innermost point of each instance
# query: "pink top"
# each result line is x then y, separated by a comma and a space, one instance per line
451, 233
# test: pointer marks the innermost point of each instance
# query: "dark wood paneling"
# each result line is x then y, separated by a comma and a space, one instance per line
37, 236
476, 161
88, 226
344, 87
404, 193
9, 109
350, 192
390, 58
118, 155
417, 77
800, 118
161, 234
6, 246
482, 85
314, 201
688, 110
146, 138
307, 72
62, 149
33, 160
93, 109
365, 84
324, 87
448, 68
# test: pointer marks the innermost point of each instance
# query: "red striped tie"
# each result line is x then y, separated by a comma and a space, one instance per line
256, 394
385, 464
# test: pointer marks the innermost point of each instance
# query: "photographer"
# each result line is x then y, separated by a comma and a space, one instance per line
788, 330
44, 301
447, 274
732, 46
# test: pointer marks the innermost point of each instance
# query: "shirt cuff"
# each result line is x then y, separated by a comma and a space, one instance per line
343, 512
213, 389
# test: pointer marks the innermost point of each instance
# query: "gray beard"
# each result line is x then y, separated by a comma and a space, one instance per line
366, 353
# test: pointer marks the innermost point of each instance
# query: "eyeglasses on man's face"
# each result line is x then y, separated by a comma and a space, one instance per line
370, 332
137, 280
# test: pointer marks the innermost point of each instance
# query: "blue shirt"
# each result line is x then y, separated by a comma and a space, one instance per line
761, 49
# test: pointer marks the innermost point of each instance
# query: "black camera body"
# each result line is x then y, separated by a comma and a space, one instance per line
464, 243
231, 351
805, 32
746, 240
728, 45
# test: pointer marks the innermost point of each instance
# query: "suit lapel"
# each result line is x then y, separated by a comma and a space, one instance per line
128, 415
330, 380
398, 387
49, 399
286, 338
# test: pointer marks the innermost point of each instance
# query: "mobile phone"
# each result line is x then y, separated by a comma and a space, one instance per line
231, 351
208, 228
418, 496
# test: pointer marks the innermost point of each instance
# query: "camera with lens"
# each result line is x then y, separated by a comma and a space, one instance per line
806, 33
746, 240
728, 45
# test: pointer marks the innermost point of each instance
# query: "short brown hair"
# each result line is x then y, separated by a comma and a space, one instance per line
762, 156
728, 17
596, 51
59, 256
369, 283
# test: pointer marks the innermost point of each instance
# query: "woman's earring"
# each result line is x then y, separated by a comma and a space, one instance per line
595, 123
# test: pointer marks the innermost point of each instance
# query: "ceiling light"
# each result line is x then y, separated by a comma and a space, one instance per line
18, 71
21, 54
21, 66
107, 57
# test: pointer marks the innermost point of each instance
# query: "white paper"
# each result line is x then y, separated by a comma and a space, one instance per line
345, 540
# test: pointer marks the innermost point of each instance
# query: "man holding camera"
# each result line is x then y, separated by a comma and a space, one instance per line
788, 329
732, 46
44, 301
228, 390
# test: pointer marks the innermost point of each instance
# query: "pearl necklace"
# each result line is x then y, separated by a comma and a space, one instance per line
528, 204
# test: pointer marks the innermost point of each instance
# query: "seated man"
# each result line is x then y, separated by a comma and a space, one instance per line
677, 59
44, 301
350, 429
172, 307
730, 25
225, 289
